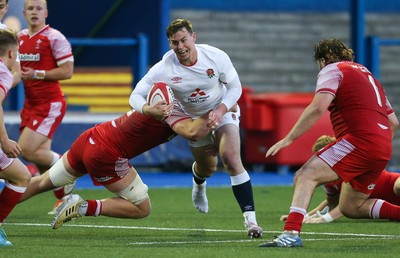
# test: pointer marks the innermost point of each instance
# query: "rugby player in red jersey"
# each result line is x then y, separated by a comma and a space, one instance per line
364, 124
103, 152
46, 57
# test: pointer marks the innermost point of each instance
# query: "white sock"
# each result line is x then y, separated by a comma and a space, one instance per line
250, 217
56, 157
199, 197
83, 208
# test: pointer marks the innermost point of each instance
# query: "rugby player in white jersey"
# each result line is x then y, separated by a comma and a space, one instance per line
203, 78
16, 69
12, 169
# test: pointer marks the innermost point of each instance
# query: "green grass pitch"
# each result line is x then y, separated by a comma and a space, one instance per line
176, 229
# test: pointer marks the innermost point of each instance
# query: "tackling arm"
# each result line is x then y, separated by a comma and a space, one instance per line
193, 129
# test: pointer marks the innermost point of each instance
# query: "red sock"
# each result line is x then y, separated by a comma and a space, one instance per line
8, 199
385, 210
59, 192
94, 208
294, 221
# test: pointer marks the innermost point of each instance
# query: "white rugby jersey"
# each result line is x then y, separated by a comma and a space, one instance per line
200, 87
6, 78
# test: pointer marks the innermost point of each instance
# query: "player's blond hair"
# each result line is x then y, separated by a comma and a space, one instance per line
43, 1
332, 50
321, 142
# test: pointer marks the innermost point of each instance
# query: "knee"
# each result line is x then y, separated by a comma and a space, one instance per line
28, 155
142, 210
303, 175
230, 155
23, 178
231, 159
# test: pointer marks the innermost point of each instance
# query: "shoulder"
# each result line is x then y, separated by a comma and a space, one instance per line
6, 77
331, 70
52, 33
169, 56
23, 32
210, 50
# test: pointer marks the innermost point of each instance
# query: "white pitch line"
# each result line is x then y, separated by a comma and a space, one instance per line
205, 230
191, 242
248, 240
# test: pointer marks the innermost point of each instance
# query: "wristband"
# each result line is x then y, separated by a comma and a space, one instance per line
327, 217
39, 74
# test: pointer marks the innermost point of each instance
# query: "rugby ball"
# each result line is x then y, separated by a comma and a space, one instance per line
160, 91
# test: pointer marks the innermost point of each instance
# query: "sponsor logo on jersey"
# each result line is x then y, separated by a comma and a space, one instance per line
103, 179
38, 43
371, 186
176, 80
29, 57
198, 96
197, 92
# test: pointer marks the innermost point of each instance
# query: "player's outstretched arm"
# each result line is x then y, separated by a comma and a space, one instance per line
193, 129
311, 114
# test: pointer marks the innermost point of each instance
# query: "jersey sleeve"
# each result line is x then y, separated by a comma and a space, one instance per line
138, 96
6, 80
61, 48
329, 79
177, 115
230, 78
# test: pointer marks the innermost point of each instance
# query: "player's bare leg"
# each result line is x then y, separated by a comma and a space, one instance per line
228, 140
36, 148
133, 202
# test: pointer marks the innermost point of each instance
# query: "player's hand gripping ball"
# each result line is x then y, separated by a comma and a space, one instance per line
160, 91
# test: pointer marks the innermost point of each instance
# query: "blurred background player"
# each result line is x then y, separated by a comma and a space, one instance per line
12, 169
203, 78
104, 152
46, 57
16, 72
362, 119
16, 69
387, 188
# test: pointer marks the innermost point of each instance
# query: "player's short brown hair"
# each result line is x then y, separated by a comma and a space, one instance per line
8, 38
178, 25
321, 142
332, 50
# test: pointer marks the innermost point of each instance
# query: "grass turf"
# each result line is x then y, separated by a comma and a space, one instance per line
176, 229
